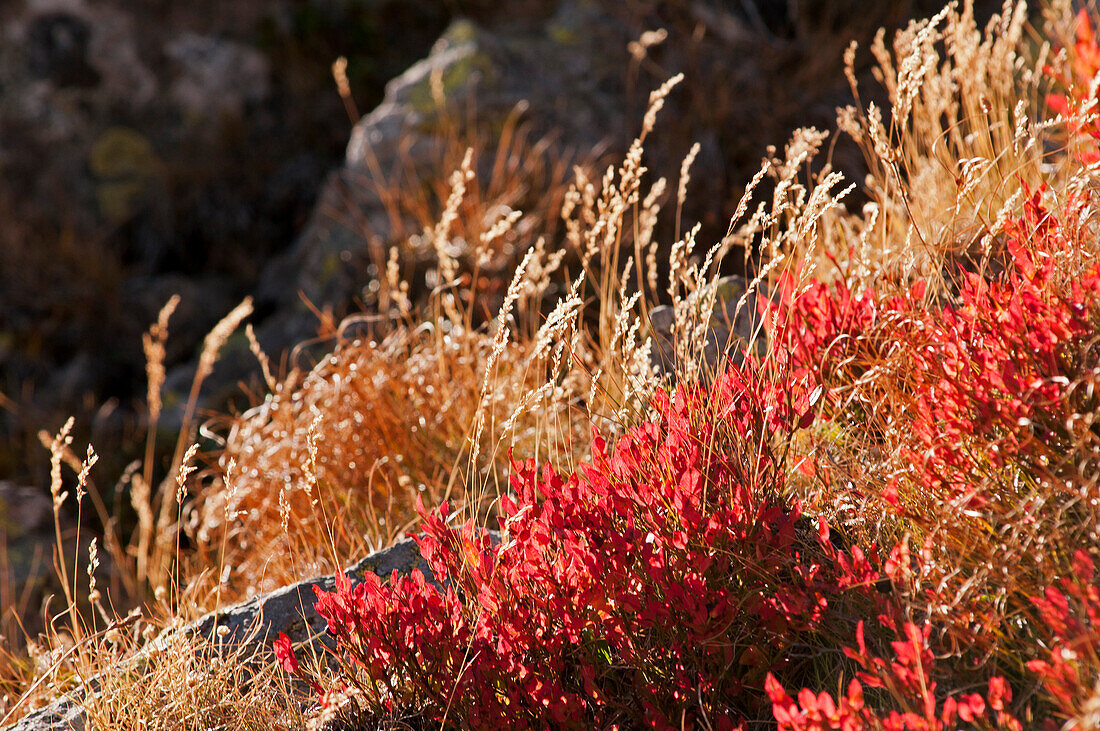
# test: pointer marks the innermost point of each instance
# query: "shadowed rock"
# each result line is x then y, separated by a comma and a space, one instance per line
735, 325
252, 626
258, 621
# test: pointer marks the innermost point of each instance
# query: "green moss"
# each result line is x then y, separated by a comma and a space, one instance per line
455, 77
124, 162
562, 34
170, 400
237, 344
119, 200
461, 31
330, 267
730, 289
121, 152
8, 526
458, 74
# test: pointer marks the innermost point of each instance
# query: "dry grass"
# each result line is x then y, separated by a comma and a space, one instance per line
184, 682
949, 156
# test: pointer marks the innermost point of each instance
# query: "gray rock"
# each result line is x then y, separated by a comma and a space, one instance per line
735, 323
26, 528
257, 622
24, 510
218, 77
63, 715
579, 47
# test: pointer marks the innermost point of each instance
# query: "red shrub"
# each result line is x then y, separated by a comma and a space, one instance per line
990, 380
908, 679
1078, 103
660, 585
673, 581
1070, 620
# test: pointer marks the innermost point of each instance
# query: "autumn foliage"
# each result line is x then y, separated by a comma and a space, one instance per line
663, 582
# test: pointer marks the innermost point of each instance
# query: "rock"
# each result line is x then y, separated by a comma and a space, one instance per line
259, 621
252, 625
58, 50
461, 61
218, 77
24, 510
524, 66
26, 525
63, 715
735, 323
